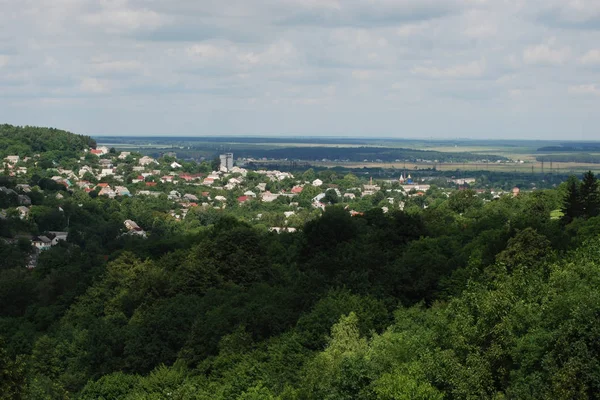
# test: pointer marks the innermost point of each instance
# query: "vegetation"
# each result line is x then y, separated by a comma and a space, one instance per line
571, 158
457, 297
28, 140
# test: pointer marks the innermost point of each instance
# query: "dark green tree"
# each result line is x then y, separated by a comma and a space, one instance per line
331, 197
572, 201
589, 195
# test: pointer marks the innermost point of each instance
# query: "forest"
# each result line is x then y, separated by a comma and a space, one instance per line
463, 300
574, 157
466, 298
53, 143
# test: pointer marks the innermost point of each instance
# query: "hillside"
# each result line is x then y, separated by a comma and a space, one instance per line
128, 277
30, 140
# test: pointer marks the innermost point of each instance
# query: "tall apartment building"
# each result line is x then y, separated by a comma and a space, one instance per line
227, 160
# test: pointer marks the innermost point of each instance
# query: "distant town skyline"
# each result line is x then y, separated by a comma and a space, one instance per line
419, 69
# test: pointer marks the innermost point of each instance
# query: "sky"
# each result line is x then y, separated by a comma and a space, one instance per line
514, 69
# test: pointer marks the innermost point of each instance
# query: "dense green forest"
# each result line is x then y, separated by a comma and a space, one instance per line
457, 297
465, 299
29, 140
359, 154
575, 157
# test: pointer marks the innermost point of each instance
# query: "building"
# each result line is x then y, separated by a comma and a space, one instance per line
41, 242
146, 161
227, 161
12, 159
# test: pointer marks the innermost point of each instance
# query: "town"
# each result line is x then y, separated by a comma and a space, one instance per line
278, 201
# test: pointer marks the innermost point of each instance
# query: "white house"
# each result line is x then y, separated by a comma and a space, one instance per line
12, 159
317, 182
146, 161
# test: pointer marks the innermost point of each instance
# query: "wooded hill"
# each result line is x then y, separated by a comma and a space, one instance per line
30, 140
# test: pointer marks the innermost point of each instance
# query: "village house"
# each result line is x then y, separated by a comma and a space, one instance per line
41, 243
243, 199
83, 170
107, 191
278, 229
106, 172
148, 193
122, 191
12, 159
238, 170
268, 197
317, 182
124, 155
56, 237
190, 197
146, 160
134, 228
174, 195
23, 212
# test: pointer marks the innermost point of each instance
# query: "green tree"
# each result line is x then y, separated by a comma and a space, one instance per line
590, 196
572, 207
12, 375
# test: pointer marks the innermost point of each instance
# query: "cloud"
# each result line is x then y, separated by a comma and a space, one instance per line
362, 75
247, 65
114, 18
590, 89
545, 54
481, 30
572, 14
206, 51
592, 57
93, 86
373, 13
474, 69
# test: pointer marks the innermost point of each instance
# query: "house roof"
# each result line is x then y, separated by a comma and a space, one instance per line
42, 239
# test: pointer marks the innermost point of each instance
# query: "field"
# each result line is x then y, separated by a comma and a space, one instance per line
387, 153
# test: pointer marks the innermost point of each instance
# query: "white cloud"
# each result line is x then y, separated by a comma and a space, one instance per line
205, 50
361, 56
117, 66
412, 29
93, 85
592, 57
545, 54
473, 69
115, 18
481, 30
362, 75
590, 89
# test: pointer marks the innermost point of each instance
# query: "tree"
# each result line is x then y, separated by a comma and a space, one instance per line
572, 207
216, 164
589, 195
12, 375
331, 197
